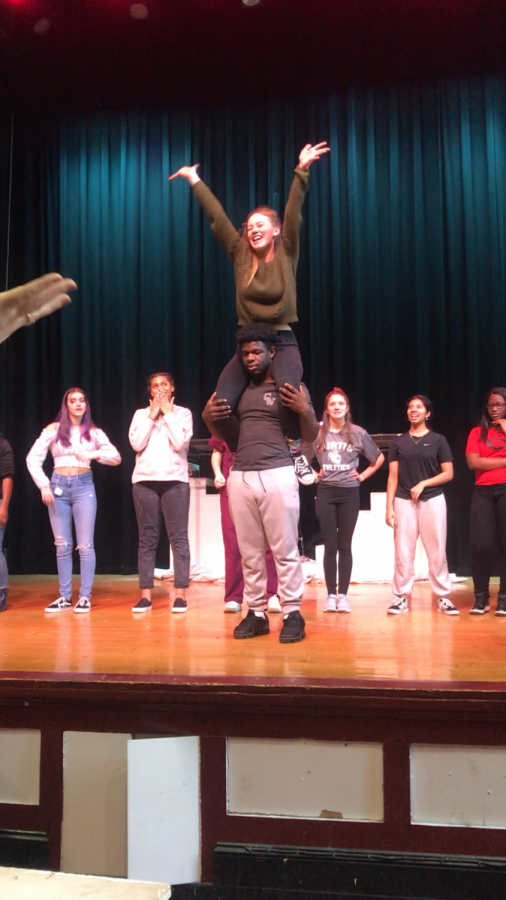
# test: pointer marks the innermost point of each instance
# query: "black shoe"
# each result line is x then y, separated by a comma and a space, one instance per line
144, 605
3, 600
252, 626
179, 605
481, 604
500, 609
293, 629
303, 470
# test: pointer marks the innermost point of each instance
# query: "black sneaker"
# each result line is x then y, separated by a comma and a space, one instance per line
293, 629
500, 609
303, 470
3, 600
252, 626
179, 605
83, 605
481, 604
144, 605
59, 605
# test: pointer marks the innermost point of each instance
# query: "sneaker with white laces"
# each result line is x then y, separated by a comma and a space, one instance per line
59, 605
144, 605
303, 470
445, 605
343, 604
330, 603
232, 606
400, 605
83, 605
274, 604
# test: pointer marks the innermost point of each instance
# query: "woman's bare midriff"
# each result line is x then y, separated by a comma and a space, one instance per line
72, 470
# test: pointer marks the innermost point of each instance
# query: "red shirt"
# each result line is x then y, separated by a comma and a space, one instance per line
493, 448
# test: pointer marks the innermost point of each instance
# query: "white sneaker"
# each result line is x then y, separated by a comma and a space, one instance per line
273, 604
343, 603
330, 603
232, 606
445, 605
398, 606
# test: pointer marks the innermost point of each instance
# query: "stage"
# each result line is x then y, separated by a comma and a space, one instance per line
421, 649
363, 683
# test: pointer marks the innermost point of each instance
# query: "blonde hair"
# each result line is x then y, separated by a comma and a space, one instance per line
276, 222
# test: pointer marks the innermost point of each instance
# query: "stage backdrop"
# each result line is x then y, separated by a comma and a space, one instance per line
402, 274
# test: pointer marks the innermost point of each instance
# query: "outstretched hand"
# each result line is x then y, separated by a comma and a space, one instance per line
310, 152
188, 172
25, 304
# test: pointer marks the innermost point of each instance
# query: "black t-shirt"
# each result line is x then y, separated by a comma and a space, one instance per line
419, 460
262, 443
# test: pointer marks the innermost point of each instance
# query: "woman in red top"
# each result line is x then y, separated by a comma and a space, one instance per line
486, 455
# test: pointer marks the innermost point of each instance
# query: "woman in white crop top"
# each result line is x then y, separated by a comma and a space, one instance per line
74, 441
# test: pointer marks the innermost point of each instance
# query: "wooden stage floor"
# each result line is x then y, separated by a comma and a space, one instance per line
367, 647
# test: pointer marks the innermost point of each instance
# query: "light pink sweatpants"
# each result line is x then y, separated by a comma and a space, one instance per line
265, 509
426, 518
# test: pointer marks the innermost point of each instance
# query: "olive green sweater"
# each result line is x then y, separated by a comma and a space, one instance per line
271, 296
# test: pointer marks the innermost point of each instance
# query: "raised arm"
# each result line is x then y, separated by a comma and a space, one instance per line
221, 226
293, 216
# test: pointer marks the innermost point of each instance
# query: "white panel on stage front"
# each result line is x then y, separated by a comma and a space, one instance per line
94, 828
204, 530
19, 766
164, 810
373, 547
458, 786
305, 779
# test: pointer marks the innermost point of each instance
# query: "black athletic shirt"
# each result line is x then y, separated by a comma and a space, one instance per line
419, 460
262, 443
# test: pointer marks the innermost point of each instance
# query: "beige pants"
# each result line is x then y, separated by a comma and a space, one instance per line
426, 518
265, 510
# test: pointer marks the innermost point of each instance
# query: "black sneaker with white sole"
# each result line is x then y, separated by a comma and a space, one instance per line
293, 629
144, 605
481, 604
83, 605
59, 605
179, 605
303, 470
500, 609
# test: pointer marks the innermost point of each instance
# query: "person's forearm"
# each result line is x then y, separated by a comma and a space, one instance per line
442, 478
216, 458
392, 483
373, 467
483, 464
7, 485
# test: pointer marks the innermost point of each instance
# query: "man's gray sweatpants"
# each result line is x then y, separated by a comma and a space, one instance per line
265, 510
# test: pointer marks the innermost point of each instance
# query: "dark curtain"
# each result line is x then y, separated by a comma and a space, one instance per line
402, 275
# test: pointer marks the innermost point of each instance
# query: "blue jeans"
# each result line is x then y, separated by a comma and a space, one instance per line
4, 575
77, 500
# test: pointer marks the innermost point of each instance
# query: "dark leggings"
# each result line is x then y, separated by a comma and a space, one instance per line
337, 509
286, 368
488, 524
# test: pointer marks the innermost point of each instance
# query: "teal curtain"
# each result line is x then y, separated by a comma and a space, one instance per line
402, 275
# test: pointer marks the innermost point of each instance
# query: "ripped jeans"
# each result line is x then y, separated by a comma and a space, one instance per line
77, 500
